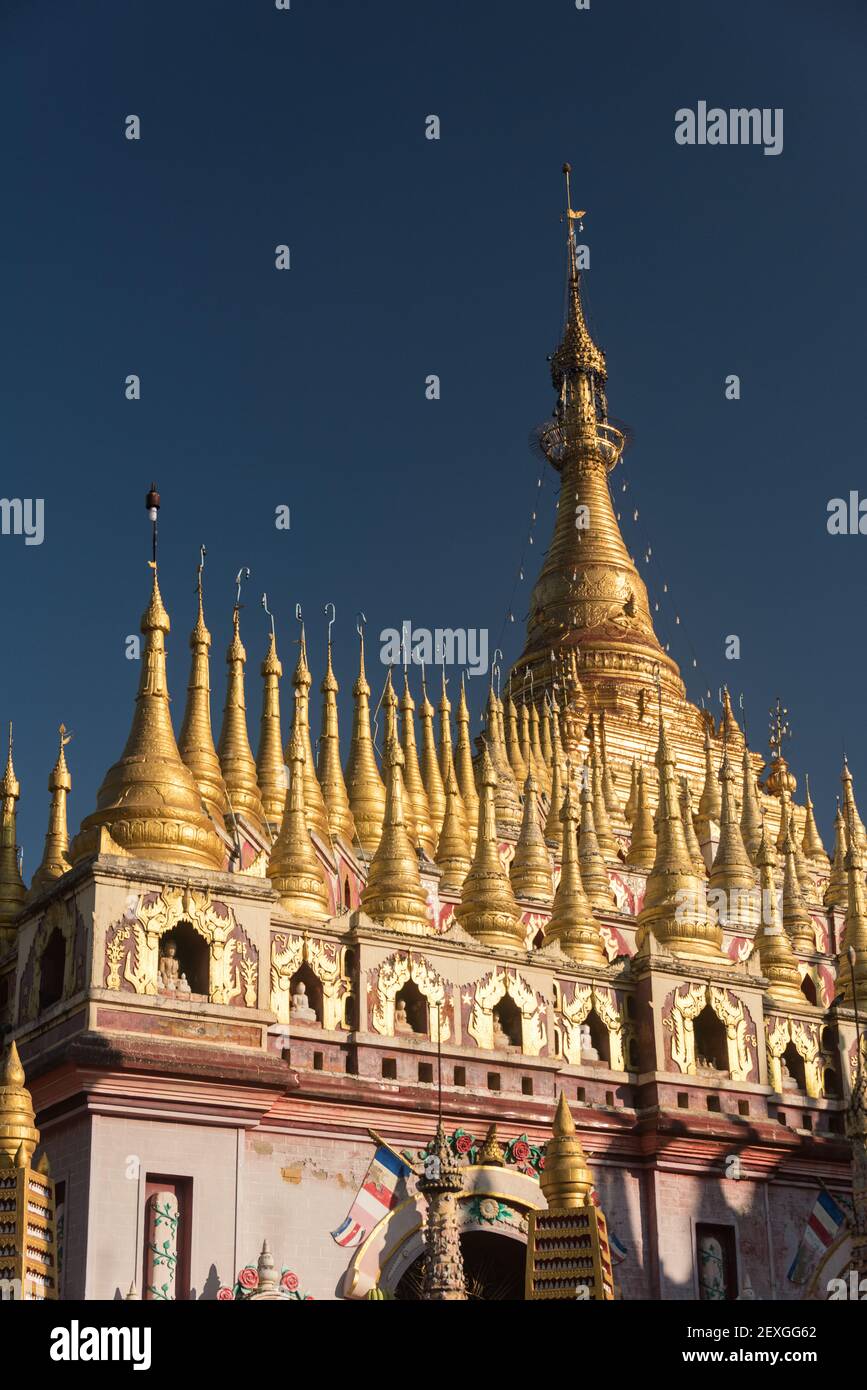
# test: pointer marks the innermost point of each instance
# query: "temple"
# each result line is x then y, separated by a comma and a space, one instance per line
568, 1011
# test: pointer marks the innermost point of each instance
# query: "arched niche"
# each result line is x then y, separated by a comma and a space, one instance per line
52, 972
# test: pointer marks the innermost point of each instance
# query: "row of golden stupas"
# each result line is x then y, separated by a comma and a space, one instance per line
178, 800
596, 771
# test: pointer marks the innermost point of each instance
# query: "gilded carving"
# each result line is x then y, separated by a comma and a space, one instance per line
133, 946
805, 1037
731, 1012
326, 960
485, 997
684, 1009
393, 974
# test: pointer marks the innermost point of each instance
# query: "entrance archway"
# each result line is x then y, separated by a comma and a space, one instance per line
493, 1268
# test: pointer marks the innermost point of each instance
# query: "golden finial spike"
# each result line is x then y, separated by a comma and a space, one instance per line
631, 806
314, 802
854, 823
464, 768
572, 924
688, 819
196, 739
566, 1178
341, 821
605, 835
363, 782
710, 801
542, 775
751, 820
594, 874
12, 891
514, 751
811, 843
55, 856
149, 802
430, 768
836, 893
732, 869
18, 1133
295, 870
394, 894
507, 805
675, 903
236, 756
612, 801
554, 825
453, 850
776, 956
642, 846
487, 909
270, 767
420, 818
531, 869
796, 918
856, 931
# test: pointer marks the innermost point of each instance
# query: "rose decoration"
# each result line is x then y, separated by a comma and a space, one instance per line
248, 1278
520, 1151
224, 1295
289, 1280
463, 1143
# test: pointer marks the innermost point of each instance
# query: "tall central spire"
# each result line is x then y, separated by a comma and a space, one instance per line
589, 594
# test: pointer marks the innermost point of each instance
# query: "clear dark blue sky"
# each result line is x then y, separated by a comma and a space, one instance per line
412, 257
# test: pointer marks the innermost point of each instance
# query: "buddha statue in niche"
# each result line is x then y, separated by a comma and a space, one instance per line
169, 967
300, 1008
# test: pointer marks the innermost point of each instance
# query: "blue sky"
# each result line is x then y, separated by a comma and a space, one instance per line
306, 387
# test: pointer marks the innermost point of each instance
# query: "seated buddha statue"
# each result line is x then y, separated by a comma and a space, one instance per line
401, 1018
169, 966
588, 1051
300, 1008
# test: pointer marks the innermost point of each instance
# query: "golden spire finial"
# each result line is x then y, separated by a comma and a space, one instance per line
686, 815
710, 801
554, 825
55, 856
778, 960
631, 806
513, 738
531, 870
811, 844
270, 768
12, 891
604, 834
394, 894
642, 846
149, 801
425, 835
508, 807
609, 792
294, 869
572, 923
233, 747
566, 1179
314, 802
675, 902
444, 750
18, 1133
491, 1151
751, 819
453, 854
487, 909
329, 770
591, 863
854, 823
464, 768
732, 869
796, 918
546, 736
196, 739
856, 931
543, 777
363, 782
430, 768
836, 893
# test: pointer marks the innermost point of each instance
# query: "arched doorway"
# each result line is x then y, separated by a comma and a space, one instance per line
493, 1269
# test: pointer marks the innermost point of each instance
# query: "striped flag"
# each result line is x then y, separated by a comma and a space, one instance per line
377, 1195
823, 1227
